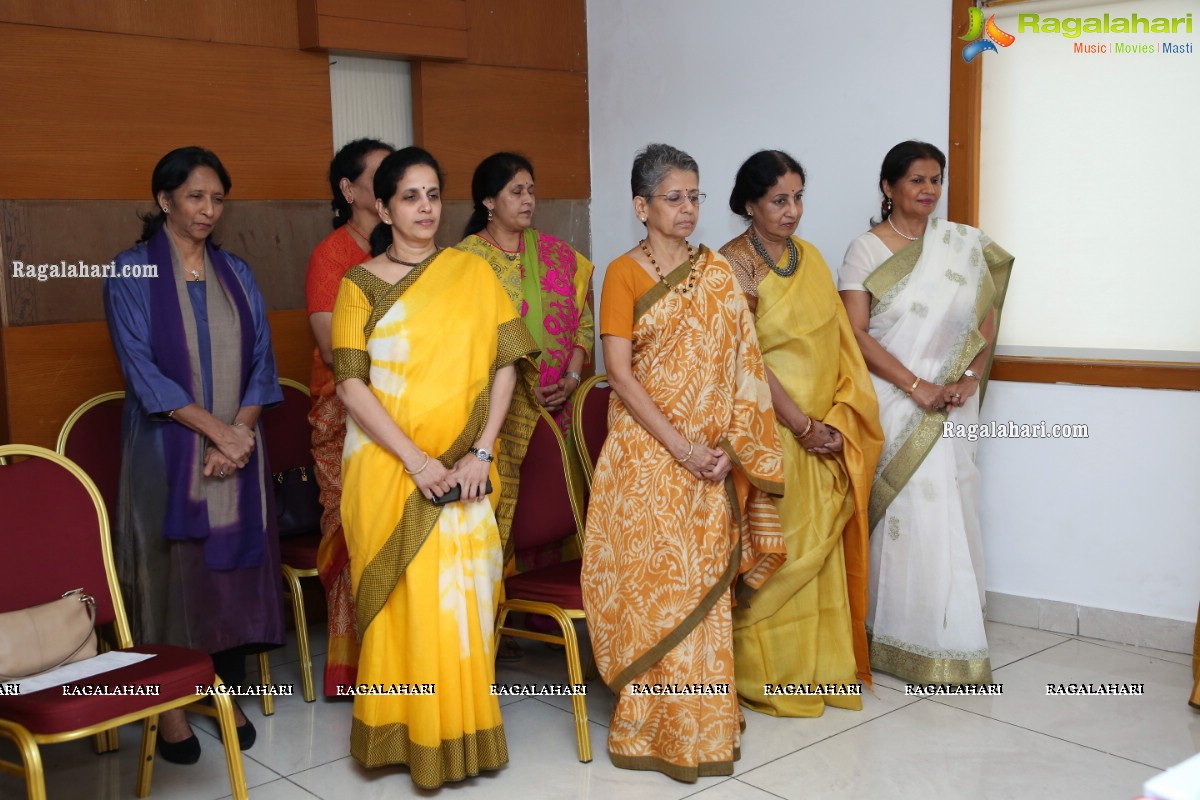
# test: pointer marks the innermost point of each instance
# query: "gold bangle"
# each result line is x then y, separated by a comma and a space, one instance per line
691, 449
913, 388
807, 430
424, 464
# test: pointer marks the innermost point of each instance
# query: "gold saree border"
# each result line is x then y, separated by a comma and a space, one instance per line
686, 625
429, 766
380, 575
918, 668
920, 442
893, 270
665, 286
705, 769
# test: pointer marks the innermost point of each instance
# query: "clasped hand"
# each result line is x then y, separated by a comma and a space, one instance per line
434, 480
822, 439
555, 396
707, 463
236, 444
932, 397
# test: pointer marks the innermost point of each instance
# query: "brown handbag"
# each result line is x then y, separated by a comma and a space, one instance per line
42, 638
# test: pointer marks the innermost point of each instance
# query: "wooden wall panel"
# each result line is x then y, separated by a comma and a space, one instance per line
966, 91
425, 13
265, 112
434, 29
51, 369
463, 113
386, 39
274, 238
1088, 372
266, 23
540, 34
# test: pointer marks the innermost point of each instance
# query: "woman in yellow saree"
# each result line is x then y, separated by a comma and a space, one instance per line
679, 504
424, 345
806, 627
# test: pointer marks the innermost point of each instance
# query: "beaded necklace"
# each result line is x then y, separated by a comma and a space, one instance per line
691, 282
426, 260
793, 260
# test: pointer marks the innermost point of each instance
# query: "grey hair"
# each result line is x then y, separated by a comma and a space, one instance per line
653, 162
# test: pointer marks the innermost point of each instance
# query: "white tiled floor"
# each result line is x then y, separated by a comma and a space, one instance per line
1022, 744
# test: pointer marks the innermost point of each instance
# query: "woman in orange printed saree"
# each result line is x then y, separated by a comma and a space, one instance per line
680, 504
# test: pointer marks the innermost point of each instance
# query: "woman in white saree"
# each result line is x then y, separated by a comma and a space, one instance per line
924, 298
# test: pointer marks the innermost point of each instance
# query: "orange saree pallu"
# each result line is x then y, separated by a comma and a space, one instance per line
663, 548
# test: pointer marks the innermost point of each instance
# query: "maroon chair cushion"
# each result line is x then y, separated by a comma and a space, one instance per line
299, 552
287, 436
49, 537
94, 443
557, 584
177, 671
543, 514
595, 420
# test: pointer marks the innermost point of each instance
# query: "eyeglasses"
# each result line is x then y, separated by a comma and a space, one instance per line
677, 198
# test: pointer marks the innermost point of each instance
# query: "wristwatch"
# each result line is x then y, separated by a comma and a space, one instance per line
483, 455
970, 374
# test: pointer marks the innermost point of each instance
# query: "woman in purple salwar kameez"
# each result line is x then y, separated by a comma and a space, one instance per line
194, 537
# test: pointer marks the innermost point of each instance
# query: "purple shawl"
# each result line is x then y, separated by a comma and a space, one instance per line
233, 544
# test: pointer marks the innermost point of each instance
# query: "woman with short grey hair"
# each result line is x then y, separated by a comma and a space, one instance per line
669, 528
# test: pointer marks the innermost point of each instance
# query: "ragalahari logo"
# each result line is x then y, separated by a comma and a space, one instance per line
990, 33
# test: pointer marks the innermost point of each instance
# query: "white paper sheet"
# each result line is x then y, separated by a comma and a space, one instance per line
105, 662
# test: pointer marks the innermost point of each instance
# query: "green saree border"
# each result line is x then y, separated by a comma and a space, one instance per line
429, 766
665, 286
897, 267
705, 769
892, 479
688, 623
384, 571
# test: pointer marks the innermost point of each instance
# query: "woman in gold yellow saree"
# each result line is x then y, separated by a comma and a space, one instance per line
924, 297
806, 627
424, 345
679, 503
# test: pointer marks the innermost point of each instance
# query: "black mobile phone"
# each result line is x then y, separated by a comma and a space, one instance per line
455, 493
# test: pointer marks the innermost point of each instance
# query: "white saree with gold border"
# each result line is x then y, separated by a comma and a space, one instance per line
926, 608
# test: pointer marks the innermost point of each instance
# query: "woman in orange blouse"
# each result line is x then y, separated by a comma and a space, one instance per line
679, 505
354, 217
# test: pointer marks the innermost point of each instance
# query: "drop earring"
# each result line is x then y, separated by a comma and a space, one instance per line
490, 217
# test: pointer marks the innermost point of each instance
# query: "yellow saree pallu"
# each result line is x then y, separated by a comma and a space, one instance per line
806, 626
663, 548
426, 578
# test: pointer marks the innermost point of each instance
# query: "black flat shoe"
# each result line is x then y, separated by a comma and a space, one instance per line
246, 735
186, 751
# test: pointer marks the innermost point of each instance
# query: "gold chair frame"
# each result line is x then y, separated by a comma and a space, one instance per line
28, 743
295, 595
586, 459
563, 616
60, 447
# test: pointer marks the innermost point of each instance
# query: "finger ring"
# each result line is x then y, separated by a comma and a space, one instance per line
221, 474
